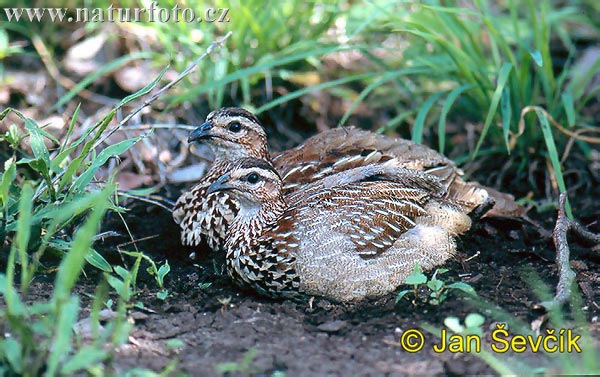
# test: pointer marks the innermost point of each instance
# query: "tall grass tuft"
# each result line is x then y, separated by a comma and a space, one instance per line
50, 204
490, 63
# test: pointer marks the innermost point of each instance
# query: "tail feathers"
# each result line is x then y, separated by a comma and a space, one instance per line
505, 205
471, 195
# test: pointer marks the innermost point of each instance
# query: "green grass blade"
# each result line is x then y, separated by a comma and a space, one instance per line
581, 80
144, 90
30, 125
417, 133
470, 70
61, 347
14, 305
567, 101
73, 262
447, 9
87, 356
363, 94
506, 111
71, 128
369, 88
502, 78
445, 109
537, 57
76, 164
113, 150
554, 159
11, 350
395, 121
62, 214
24, 232
98, 261
10, 173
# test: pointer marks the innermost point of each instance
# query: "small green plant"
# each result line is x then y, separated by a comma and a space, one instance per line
436, 289
204, 285
473, 324
55, 186
125, 281
225, 302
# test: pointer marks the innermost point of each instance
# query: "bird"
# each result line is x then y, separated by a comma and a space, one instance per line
349, 236
234, 133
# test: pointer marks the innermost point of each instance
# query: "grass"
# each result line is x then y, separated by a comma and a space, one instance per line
51, 210
503, 77
490, 63
278, 41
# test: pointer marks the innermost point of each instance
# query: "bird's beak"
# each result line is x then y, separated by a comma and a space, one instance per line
202, 132
220, 184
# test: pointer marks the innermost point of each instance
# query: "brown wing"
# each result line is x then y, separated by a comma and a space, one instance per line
373, 214
341, 149
373, 205
407, 178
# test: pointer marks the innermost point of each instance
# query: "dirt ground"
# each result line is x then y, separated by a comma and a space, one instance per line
217, 323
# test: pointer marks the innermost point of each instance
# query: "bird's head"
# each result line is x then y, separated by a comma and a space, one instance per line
232, 133
254, 182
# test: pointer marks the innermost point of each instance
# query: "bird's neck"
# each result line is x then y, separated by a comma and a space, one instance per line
248, 226
259, 150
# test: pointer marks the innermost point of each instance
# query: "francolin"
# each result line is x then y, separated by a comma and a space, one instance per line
233, 133
351, 235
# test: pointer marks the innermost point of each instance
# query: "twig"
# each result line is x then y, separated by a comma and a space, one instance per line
155, 96
566, 275
144, 127
134, 241
167, 206
555, 124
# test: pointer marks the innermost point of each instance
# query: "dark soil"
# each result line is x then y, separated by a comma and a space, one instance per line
219, 323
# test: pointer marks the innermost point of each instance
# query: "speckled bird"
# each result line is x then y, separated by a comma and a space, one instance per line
233, 133
346, 237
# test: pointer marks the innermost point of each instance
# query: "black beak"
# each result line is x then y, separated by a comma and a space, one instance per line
220, 184
202, 132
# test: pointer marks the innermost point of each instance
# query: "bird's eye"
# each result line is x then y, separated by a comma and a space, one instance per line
252, 178
235, 127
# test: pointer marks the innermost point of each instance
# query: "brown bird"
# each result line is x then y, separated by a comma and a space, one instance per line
346, 237
233, 133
